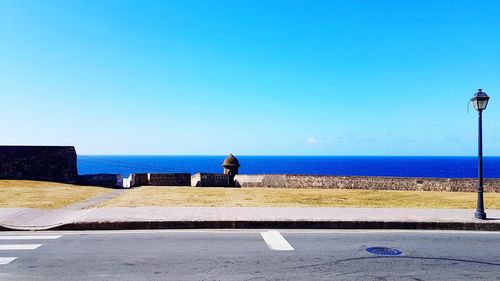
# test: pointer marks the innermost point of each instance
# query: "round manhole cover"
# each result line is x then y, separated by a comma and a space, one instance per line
383, 251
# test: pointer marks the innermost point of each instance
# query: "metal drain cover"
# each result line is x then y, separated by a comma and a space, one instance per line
383, 251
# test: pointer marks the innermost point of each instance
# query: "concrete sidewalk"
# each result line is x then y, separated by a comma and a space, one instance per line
242, 217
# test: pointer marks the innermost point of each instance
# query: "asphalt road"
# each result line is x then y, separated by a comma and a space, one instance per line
249, 255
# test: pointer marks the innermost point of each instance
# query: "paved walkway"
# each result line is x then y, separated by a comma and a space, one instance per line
242, 217
95, 200
39, 219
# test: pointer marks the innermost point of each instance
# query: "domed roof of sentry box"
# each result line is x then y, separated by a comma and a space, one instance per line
231, 161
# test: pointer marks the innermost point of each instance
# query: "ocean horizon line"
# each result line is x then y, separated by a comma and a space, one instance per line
278, 155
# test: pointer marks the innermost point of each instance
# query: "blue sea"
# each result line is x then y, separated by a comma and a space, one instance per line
399, 166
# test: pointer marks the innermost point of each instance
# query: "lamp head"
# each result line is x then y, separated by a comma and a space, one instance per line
480, 100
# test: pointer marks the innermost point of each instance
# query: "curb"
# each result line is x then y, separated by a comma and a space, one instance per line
134, 225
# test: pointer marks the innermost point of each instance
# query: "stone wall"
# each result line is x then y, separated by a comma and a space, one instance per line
210, 180
107, 180
45, 163
143, 179
133, 180
373, 183
139, 179
177, 179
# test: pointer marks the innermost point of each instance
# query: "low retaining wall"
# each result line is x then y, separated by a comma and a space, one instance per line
139, 179
143, 179
371, 183
177, 179
290, 181
210, 180
107, 180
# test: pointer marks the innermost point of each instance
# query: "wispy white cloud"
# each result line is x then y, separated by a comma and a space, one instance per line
311, 140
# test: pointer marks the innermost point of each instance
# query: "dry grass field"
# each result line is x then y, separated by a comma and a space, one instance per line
281, 197
49, 195
44, 195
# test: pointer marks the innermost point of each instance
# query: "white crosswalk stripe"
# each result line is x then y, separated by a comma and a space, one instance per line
16, 247
275, 241
12, 247
30, 237
6, 260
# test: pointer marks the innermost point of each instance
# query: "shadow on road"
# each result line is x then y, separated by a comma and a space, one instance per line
397, 257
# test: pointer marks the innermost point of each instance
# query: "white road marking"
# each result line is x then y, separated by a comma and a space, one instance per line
6, 260
12, 247
276, 241
30, 237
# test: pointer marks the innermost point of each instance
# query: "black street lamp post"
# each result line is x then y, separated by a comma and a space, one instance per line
480, 101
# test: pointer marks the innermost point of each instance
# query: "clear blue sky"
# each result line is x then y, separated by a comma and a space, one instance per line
250, 77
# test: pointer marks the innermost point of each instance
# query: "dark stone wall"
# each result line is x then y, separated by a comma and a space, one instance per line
210, 180
372, 183
45, 163
139, 179
106, 180
174, 179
